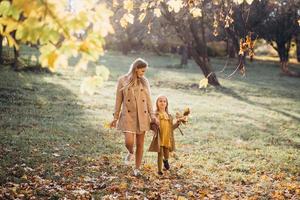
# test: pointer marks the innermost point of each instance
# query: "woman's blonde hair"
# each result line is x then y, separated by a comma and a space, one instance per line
162, 96
139, 63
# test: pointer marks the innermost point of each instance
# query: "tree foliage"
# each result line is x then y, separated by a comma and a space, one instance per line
59, 32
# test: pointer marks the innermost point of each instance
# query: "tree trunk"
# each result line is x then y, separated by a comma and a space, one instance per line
197, 48
16, 53
125, 47
184, 55
157, 51
15, 61
231, 52
298, 47
205, 67
1, 49
283, 52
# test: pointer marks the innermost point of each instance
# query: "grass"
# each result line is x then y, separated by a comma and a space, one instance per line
243, 138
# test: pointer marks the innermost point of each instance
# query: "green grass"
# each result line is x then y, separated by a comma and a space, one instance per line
237, 134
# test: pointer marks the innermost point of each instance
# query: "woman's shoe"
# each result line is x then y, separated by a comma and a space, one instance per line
137, 172
166, 164
129, 158
160, 173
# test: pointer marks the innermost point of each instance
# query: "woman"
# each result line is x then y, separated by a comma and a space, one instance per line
133, 95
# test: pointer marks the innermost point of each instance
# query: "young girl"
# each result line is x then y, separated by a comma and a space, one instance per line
163, 141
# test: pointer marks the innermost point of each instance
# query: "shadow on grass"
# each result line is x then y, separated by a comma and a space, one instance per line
232, 93
42, 123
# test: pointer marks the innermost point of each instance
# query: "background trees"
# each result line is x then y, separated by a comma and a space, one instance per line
280, 27
61, 31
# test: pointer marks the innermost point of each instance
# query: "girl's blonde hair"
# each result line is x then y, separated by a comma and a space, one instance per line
162, 96
139, 63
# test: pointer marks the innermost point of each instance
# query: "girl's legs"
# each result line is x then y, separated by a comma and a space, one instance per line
166, 157
166, 153
139, 149
160, 160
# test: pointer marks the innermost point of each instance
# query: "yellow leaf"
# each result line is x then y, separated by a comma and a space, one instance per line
24, 177
11, 41
181, 198
157, 12
123, 22
106, 125
51, 60
190, 193
128, 5
123, 186
175, 5
84, 46
10, 24
238, 1
127, 18
115, 3
142, 17
249, 1
203, 83
196, 12
143, 6
102, 71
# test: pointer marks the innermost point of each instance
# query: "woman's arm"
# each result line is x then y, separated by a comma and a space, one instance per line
119, 100
149, 102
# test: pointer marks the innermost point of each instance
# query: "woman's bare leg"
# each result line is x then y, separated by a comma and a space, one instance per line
129, 141
139, 149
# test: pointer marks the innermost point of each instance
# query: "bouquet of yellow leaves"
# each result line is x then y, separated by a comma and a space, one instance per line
183, 117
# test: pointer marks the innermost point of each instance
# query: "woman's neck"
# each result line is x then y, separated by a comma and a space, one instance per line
136, 81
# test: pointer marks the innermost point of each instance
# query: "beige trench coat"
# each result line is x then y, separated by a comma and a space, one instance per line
155, 143
133, 110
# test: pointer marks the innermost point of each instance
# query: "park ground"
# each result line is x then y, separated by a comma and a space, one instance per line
242, 140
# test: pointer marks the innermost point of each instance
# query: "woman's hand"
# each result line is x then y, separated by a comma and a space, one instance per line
113, 123
155, 120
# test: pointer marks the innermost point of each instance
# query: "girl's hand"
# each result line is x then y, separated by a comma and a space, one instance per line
113, 123
155, 120
182, 119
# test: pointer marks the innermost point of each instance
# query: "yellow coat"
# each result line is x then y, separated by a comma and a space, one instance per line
133, 109
155, 143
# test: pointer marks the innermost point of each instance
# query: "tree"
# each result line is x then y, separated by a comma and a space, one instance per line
280, 27
191, 19
187, 20
240, 22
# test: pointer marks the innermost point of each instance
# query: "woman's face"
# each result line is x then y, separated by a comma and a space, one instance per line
162, 103
140, 72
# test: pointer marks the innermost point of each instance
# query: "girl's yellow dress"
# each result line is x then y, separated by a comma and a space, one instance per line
165, 130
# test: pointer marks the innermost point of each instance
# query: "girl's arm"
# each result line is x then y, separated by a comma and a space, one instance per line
176, 124
149, 103
119, 100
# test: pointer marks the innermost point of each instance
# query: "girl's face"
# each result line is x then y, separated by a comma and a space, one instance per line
162, 103
140, 72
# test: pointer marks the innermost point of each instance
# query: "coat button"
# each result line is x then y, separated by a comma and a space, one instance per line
128, 100
143, 100
141, 89
128, 110
145, 111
